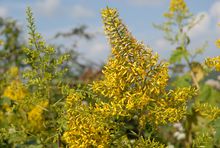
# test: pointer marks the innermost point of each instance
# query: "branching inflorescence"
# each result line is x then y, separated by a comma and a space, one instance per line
133, 88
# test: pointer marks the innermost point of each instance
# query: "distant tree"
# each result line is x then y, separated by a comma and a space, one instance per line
13, 41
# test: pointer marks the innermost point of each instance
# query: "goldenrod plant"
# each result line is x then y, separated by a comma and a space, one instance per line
131, 92
33, 87
186, 70
34, 101
179, 22
136, 101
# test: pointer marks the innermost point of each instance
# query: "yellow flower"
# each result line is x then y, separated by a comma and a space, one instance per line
176, 6
134, 84
13, 71
85, 128
213, 62
135, 80
1, 42
35, 116
218, 43
6, 107
15, 91
208, 111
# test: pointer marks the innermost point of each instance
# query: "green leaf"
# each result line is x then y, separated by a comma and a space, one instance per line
182, 81
217, 128
177, 55
209, 94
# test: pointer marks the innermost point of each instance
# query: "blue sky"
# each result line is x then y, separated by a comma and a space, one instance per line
53, 16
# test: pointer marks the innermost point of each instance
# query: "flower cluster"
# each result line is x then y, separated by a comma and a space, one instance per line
85, 128
35, 116
133, 87
32, 105
218, 43
209, 111
177, 6
13, 71
213, 62
15, 91
135, 80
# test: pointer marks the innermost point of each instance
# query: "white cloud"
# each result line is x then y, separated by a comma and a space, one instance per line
162, 44
215, 10
146, 2
162, 47
212, 16
202, 27
79, 11
3, 11
215, 14
47, 7
98, 47
98, 50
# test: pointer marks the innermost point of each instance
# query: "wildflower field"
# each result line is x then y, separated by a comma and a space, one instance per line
136, 99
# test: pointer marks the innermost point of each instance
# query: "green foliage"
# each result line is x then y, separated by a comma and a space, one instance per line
34, 106
45, 69
33, 87
181, 81
203, 140
185, 71
177, 55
